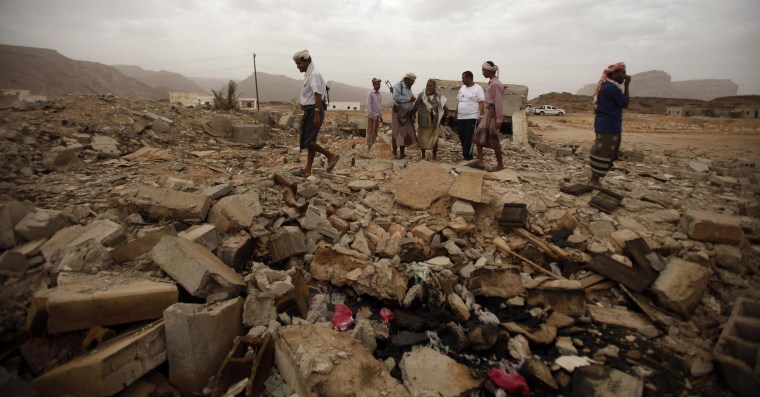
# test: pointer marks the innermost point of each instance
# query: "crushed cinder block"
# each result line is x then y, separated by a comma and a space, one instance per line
319, 361
198, 338
711, 226
11, 213
108, 369
427, 372
681, 285
286, 242
234, 213
82, 301
235, 251
195, 267
158, 203
564, 296
738, 349
380, 279
205, 235
41, 223
495, 282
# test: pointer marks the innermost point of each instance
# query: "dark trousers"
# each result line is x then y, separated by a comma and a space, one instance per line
465, 129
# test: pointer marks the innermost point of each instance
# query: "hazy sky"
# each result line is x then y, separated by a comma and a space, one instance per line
548, 45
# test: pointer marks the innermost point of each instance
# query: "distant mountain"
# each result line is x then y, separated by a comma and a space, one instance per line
657, 84
46, 72
162, 80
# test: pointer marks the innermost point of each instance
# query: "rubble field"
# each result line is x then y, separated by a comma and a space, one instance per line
148, 249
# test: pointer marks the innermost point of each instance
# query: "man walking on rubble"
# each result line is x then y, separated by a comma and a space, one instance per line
312, 93
469, 110
487, 132
610, 98
374, 115
402, 122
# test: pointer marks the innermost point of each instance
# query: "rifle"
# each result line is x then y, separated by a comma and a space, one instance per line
390, 87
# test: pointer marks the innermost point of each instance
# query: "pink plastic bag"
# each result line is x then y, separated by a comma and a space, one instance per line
343, 319
386, 314
512, 383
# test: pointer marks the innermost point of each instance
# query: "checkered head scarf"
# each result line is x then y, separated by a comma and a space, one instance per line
605, 77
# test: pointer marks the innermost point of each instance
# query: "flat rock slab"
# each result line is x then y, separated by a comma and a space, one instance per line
618, 317
420, 184
469, 186
429, 373
317, 361
599, 381
505, 175
362, 184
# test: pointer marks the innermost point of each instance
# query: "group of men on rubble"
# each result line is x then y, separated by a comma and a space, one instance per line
478, 117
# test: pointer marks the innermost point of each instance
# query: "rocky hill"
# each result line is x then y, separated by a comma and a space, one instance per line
584, 103
281, 88
46, 72
163, 80
658, 84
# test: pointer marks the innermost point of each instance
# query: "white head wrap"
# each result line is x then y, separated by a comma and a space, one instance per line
494, 68
410, 76
301, 55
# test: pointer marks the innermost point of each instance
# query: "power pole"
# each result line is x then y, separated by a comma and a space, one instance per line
256, 81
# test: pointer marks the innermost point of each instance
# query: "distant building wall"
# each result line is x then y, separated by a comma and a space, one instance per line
344, 106
247, 103
747, 113
15, 92
189, 98
675, 111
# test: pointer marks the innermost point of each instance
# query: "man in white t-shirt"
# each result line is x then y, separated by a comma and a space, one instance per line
471, 101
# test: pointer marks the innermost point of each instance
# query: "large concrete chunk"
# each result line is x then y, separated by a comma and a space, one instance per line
286, 243
681, 285
420, 184
41, 223
495, 282
195, 267
78, 305
710, 226
205, 235
143, 244
429, 373
198, 338
159, 203
316, 361
103, 232
108, 369
380, 279
234, 213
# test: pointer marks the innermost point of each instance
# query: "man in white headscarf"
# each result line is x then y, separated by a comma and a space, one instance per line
312, 93
402, 122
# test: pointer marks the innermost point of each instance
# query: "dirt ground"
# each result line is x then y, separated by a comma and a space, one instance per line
656, 133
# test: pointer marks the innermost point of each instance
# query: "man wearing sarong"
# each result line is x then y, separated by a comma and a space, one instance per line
469, 110
402, 122
489, 127
610, 98
430, 107
312, 92
374, 115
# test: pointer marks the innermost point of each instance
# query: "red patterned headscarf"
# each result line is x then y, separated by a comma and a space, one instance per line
605, 74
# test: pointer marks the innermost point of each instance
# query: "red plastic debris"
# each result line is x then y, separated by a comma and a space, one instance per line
343, 319
386, 314
512, 383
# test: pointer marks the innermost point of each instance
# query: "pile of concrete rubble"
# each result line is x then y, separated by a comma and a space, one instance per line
149, 249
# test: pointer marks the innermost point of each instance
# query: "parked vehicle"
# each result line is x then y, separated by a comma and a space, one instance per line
549, 110
529, 109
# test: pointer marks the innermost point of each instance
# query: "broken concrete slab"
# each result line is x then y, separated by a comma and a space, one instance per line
428, 373
217, 191
84, 301
564, 296
184, 185
317, 361
468, 186
41, 223
259, 309
681, 285
198, 338
143, 244
618, 317
711, 226
105, 146
158, 203
254, 134
235, 251
195, 267
380, 279
100, 232
601, 381
205, 235
108, 369
234, 213
420, 184
495, 282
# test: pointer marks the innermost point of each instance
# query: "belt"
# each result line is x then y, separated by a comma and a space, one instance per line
307, 107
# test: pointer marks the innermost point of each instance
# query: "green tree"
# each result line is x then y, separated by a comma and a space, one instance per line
228, 102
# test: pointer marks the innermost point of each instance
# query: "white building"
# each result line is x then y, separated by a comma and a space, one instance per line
344, 106
191, 98
247, 103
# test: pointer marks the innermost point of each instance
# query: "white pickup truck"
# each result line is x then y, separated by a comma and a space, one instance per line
548, 110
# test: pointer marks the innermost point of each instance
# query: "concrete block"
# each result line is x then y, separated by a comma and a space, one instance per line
221, 126
285, 243
195, 267
236, 251
495, 282
217, 191
254, 134
317, 361
713, 227
198, 338
11, 213
205, 235
41, 223
143, 244
116, 301
13, 264
681, 285
428, 373
102, 232
234, 213
108, 369
157, 203
464, 209
259, 309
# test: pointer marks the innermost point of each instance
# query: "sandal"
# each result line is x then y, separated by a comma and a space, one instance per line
331, 163
494, 169
474, 164
300, 173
